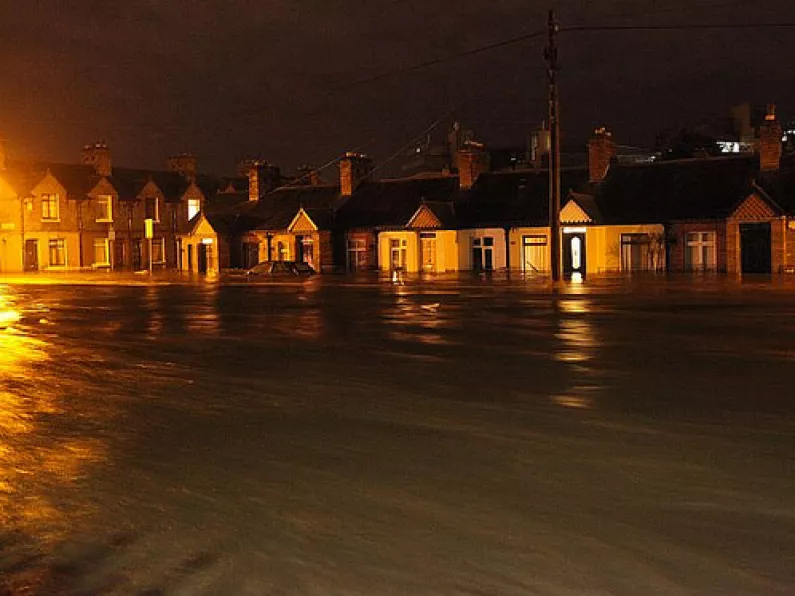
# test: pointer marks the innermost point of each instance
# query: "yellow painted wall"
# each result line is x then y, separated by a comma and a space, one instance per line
465, 246
516, 239
72, 244
603, 245
203, 233
412, 250
10, 229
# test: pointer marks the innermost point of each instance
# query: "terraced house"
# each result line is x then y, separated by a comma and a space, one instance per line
58, 217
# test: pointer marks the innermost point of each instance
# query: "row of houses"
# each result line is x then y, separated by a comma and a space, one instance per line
733, 213
57, 217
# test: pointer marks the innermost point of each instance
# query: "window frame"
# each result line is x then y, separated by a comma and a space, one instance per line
161, 243
156, 214
357, 254
699, 243
636, 239
51, 199
100, 200
198, 207
105, 242
59, 245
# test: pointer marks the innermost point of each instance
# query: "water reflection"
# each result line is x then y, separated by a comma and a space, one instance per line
33, 459
422, 321
578, 347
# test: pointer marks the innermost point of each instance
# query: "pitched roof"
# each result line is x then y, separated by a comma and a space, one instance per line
391, 203
275, 210
515, 198
692, 189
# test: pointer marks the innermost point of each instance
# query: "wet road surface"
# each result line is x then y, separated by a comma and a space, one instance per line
328, 437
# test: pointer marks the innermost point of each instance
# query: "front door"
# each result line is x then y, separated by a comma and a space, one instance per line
137, 258
31, 255
755, 248
190, 258
428, 251
202, 258
250, 254
574, 253
534, 254
118, 254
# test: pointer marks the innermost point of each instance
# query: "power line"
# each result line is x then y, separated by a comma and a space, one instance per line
440, 60
687, 27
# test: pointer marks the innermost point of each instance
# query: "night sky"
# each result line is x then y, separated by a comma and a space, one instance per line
236, 78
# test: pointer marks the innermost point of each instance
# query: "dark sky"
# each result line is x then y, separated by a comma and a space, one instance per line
227, 79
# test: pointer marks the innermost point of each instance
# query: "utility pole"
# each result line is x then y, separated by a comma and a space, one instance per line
551, 54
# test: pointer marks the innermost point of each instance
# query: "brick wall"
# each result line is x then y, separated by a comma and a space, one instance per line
678, 233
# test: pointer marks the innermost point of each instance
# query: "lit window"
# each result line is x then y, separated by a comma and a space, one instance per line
158, 250
101, 252
194, 206
104, 208
700, 254
151, 209
49, 208
57, 252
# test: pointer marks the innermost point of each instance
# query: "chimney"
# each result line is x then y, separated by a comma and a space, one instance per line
770, 141
473, 160
262, 178
601, 149
184, 164
2, 155
98, 155
354, 169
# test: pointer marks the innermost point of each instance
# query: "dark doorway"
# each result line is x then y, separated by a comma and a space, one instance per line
118, 254
299, 249
31, 255
202, 258
250, 254
574, 253
136, 255
190, 258
755, 248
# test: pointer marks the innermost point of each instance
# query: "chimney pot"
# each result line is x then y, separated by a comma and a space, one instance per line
98, 155
355, 168
473, 160
601, 151
263, 177
770, 147
184, 164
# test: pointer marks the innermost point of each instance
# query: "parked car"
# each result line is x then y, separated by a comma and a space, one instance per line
280, 268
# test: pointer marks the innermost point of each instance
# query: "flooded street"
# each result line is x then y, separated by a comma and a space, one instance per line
337, 437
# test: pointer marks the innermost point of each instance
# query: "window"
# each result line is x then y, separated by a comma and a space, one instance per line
534, 254
151, 209
57, 252
397, 254
635, 253
158, 250
101, 252
194, 206
104, 208
700, 252
49, 208
357, 254
483, 254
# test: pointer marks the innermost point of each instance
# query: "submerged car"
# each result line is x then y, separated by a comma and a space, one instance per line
281, 268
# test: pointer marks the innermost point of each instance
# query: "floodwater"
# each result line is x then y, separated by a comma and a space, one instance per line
467, 437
